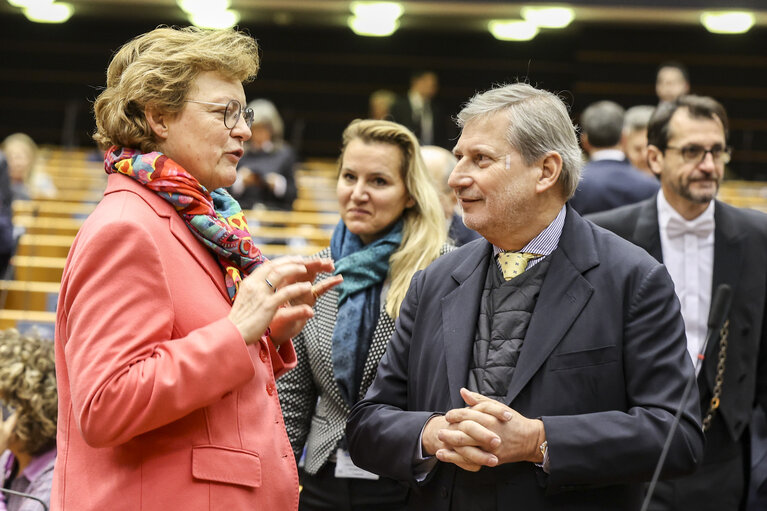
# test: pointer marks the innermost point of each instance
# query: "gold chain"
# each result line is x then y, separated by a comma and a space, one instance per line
719, 380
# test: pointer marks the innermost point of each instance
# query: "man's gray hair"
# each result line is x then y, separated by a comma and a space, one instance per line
637, 118
539, 123
602, 123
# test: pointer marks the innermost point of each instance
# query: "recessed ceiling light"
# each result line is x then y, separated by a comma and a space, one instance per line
727, 22
512, 30
388, 10
548, 17
49, 12
215, 19
377, 19
191, 6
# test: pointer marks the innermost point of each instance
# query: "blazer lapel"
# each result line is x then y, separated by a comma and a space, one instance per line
459, 317
177, 226
564, 294
647, 232
201, 254
728, 258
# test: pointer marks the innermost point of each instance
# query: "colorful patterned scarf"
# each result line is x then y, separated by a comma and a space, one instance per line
215, 218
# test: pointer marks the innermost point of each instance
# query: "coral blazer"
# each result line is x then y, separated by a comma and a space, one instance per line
162, 405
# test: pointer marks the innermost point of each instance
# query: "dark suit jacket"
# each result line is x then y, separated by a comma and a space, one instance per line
608, 184
740, 260
442, 127
603, 364
459, 233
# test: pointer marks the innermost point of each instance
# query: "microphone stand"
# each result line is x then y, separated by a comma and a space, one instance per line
24, 495
720, 307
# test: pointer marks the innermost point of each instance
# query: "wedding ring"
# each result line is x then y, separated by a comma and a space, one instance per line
270, 285
315, 294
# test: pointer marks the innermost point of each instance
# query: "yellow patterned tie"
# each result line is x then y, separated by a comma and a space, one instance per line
514, 263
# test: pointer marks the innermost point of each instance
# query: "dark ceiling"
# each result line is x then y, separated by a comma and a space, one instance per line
420, 14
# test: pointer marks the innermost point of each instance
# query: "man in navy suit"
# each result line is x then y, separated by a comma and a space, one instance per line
609, 178
704, 243
539, 367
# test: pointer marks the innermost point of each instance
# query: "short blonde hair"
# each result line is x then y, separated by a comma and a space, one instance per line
424, 232
28, 386
157, 69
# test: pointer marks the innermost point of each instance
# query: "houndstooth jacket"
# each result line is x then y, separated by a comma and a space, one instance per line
319, 425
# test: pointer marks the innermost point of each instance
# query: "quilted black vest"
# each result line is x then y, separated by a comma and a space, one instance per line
504, 315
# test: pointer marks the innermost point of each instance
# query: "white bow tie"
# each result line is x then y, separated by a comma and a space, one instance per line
700, 227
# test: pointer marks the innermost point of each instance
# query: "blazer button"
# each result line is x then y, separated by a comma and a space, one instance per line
270, 388
264, 355
443, 492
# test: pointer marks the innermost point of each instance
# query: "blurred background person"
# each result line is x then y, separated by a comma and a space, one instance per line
266, 173
635, 136
671, 81
27, 180
171, 326
440, 163
28, 435
7, 240
419, 111
380, 103
609, 180
391, 226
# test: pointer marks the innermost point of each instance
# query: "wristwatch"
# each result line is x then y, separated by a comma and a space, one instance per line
544, 447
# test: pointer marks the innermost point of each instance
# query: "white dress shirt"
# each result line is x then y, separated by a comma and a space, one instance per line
688, 253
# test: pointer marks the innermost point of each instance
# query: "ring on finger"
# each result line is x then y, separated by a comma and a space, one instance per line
274, 289
315, 294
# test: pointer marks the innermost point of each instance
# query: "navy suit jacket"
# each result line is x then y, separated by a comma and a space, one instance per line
740, 260
603, 364
608, 184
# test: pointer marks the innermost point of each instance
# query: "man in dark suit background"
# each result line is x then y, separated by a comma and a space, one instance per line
421, 112
705, 243
571, 364
609, 178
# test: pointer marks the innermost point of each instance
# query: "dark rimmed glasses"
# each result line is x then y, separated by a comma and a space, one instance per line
695, 153
233, 111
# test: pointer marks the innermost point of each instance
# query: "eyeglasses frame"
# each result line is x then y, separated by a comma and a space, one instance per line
726, 150
245, 112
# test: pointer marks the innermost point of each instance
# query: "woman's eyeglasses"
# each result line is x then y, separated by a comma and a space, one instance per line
232, 113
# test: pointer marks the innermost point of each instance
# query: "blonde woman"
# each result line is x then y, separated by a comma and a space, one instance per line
391, 226
27, 181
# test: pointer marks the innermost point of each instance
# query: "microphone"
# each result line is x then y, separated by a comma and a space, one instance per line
24, 495
720, 307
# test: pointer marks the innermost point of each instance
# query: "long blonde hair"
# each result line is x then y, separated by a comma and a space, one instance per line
424, 232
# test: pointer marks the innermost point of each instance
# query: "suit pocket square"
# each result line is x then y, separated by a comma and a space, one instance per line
584, 358
224, 465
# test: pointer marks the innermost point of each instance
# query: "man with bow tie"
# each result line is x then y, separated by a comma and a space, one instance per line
704, 243
538, 367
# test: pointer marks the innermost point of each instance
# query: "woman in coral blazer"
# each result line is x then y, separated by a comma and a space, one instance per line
171, 326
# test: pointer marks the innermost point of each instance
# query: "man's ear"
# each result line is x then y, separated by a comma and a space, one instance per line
550, 170
655, 159
157, 121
